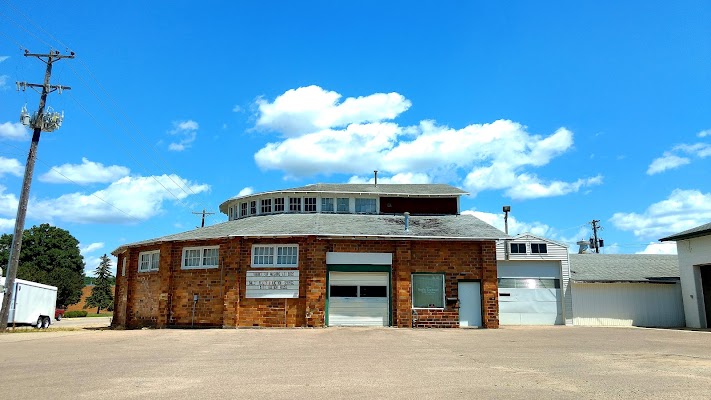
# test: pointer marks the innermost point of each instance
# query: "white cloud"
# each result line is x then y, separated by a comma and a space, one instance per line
7, 225
91, 262
3, 82
311, 109
187, 133
133, 199
246, 191
3, 58
704, 133
90, 248
323, 138
665, 162
11, 166
515, 226
8, 203
13, 131
401, 178
84, 173
236, 109
671, 159
684, 209
659, 248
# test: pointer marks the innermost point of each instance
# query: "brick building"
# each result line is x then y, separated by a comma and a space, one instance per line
315, 256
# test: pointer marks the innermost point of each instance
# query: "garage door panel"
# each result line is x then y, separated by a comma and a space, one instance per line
525, 269
359, 311
532, 295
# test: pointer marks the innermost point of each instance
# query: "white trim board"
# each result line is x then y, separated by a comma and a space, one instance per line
359, 258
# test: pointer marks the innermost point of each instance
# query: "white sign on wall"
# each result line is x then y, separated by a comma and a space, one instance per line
272, 285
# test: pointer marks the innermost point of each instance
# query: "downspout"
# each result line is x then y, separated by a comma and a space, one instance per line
506, 210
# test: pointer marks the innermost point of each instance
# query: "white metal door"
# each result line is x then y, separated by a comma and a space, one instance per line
529, 293
469, 304
358, 299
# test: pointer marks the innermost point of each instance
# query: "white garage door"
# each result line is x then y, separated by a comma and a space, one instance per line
358, 299
628, 304
529, 293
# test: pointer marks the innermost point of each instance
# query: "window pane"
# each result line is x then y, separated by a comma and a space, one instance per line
373, 291
145, 262
343, 205
155, 261
295, 204
266, 206
286, 255
263, 255
326, 205
310, 204
210, 257
279, 204
428, 291
192, 258
243, 209
344, 291
539, 248
253, 207
518, 248
366, 206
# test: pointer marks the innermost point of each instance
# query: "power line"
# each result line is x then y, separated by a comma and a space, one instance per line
25, 29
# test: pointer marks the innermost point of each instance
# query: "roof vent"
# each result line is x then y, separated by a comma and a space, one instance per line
376, 177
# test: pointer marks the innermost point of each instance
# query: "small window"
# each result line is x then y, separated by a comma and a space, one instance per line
539, 248
295, 204
326, 205
275, 255
230, 214
243, 210
344, 291
148, 261
253, 207
123, 266
310, 204
373, 291
343, 204
365, 206
201, 257
518, 248
529, 283
266, 206
279, 204
428, 290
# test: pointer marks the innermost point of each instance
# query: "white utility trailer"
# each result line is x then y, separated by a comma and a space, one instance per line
32, 303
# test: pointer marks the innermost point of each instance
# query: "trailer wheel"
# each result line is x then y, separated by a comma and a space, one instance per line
46, 322
59, 317
39, 323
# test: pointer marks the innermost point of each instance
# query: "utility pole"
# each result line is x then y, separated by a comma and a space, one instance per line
596, 243
204, 213
40, 121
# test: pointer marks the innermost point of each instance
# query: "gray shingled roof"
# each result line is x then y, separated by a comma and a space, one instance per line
624, 267
464, 227
702, 230
429, 189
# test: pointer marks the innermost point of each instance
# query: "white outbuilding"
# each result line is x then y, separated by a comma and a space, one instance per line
533, 276
626, 290
694, 256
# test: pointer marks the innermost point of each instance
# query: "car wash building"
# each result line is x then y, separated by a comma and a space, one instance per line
315, 256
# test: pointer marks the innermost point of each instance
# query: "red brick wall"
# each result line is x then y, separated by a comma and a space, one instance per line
165, 298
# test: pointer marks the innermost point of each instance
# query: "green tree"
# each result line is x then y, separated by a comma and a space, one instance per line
49, 255
101, 294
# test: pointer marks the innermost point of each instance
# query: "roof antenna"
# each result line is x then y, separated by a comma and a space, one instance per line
376, 177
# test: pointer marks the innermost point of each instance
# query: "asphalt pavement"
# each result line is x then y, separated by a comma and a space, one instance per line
344, 363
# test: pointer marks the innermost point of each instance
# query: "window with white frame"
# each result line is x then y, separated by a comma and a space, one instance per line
295, 204
279, 204
275, 255
243, 210
148, 261
310, 204
230, 217
343, 204
253, 207
326, 204
518, 248
365, 206
201, 257
428, 290
266, 206
539, 248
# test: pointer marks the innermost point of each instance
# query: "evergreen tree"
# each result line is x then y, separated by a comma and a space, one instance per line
102, 295
49, 255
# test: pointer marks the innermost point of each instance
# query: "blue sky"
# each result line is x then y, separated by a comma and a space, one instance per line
566, 112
